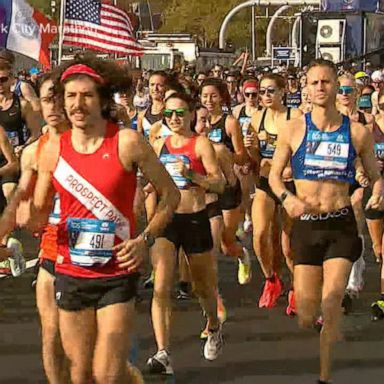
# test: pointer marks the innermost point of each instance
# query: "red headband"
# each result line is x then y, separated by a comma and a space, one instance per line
81, 69
250, 84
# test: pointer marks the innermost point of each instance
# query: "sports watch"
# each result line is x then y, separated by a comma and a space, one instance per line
149, 239
283, 196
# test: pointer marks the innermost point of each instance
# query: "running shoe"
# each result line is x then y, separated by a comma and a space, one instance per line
271, 292
17, 261
135, 375
214, 344
182, 295
247, 226
221, 310
150, 281
244, 273
291, 308
160, 363
377, 309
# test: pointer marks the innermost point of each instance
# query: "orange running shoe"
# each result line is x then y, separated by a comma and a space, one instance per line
291, 308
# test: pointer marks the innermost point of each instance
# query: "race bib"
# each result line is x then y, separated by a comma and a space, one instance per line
327, 155
245, 123
90, 241
216, 135
13, 137
169, 161
379, 151
54, 217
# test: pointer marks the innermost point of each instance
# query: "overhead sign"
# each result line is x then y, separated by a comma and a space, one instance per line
282, 53
351, 5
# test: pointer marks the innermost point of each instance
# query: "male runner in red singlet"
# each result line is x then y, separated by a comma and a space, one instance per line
93, 170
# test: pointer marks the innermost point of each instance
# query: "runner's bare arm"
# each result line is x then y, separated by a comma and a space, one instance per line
33, 120
363, 142
133, 149
7, 151
44, 191
296, 113
233, 130
281, 160
140, 123
29, 95
213, 181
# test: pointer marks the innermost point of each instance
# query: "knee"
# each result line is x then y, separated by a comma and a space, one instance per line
162, 294
79, 375
331, 304
260, 235
306, 310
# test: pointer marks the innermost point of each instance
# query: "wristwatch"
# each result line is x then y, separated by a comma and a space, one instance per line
283, 196
149, 239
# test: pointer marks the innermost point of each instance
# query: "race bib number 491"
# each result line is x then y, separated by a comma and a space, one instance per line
91, 241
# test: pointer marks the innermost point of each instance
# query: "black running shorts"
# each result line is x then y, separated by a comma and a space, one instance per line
48, 265
319, 237
192, 231
370, 214
231, 197
214, 209
264, 186
75, 294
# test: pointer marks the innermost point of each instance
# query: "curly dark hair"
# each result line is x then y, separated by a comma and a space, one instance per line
116, 78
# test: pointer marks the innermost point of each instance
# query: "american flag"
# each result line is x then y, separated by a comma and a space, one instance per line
99, 26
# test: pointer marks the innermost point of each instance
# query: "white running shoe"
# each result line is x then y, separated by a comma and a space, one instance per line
214, 344
17, 261
160, 363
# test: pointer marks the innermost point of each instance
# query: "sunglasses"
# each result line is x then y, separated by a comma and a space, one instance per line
180, 112
4, 80
269, 91
231, 82
250, 94
345, 90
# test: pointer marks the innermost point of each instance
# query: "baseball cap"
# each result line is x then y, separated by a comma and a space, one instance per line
34, 71
377, 77
360, 75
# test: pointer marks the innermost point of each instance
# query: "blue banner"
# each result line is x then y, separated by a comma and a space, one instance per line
351, 5
282, 53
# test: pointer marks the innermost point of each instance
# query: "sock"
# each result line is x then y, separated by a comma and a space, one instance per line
323, 382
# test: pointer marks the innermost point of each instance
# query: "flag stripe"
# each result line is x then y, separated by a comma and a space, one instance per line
90, 43
114, 40
92, 29
105, 28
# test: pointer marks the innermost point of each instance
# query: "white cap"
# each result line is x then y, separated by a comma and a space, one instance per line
377, 76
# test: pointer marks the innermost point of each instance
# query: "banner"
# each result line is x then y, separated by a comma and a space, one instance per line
26, 30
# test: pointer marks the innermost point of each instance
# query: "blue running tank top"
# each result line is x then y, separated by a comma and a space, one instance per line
325, 155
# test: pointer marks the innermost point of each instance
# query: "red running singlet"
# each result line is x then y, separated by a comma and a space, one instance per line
96, 198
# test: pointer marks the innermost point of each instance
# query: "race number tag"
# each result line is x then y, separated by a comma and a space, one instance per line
54, 217
13, 137
169, 161
216, 135
379, 151
245, 123
327, 155
327, 151
90, 241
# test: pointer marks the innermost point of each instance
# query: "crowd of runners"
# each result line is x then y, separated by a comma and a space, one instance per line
111, 171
